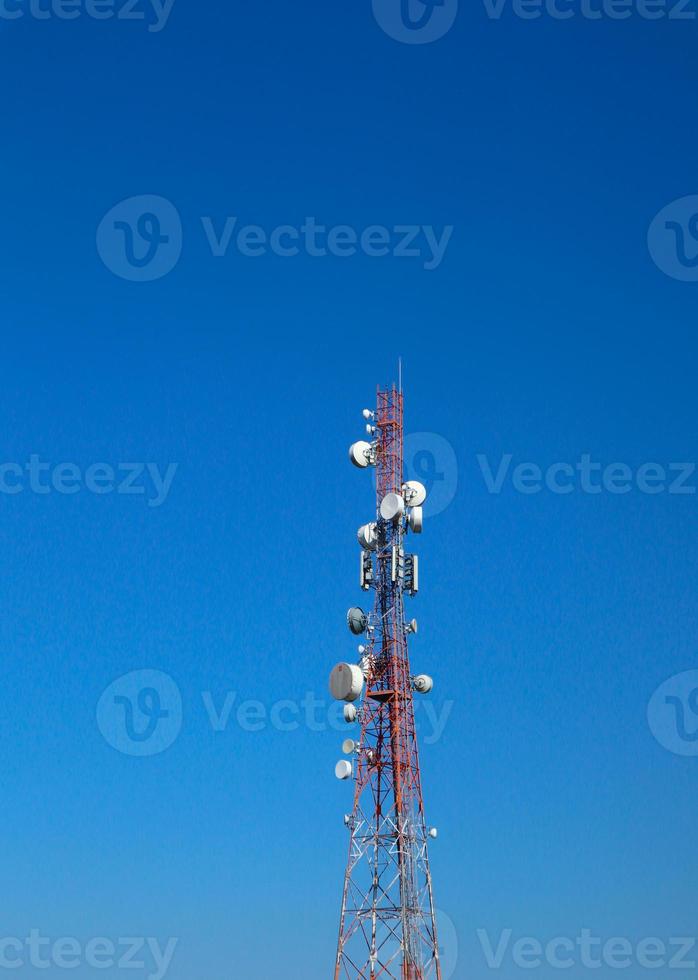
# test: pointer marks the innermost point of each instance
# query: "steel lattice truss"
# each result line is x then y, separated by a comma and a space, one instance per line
388, 927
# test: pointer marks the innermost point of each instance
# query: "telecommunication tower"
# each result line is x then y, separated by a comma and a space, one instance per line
388, 924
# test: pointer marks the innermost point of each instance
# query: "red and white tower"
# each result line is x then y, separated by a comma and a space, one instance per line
388, 926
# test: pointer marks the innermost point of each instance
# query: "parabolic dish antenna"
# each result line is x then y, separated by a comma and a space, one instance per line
392, 507
360, 454
415, 493
346, 682
357, 620
423, 683
344, 769
416, 519
367, 536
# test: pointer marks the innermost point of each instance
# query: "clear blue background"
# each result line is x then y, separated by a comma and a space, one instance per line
546, 332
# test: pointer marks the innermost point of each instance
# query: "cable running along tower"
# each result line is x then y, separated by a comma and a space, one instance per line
388, 926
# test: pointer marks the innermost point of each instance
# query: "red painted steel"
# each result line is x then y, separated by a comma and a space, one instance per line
388, 925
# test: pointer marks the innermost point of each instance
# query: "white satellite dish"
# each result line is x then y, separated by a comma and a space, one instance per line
349, 746
368, 538
350, 714
423, 683
433, 833
412, 627
392, 507
415, 493
416, 520
367, 413
360, 454
357, 620
346, 682
344, 769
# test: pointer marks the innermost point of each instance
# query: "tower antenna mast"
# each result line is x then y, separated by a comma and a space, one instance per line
388, 924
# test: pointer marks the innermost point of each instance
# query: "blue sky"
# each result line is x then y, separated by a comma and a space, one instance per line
545, 332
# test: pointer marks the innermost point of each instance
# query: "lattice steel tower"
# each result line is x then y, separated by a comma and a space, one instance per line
388, 926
